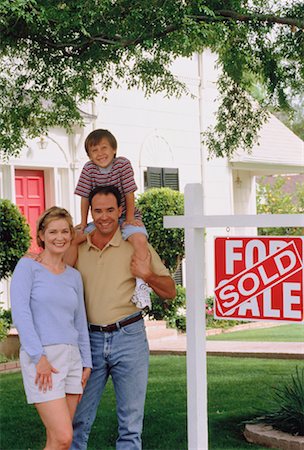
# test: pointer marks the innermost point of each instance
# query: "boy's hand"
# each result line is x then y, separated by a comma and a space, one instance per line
134, 222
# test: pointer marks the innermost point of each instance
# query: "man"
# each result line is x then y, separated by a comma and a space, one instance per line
117, 332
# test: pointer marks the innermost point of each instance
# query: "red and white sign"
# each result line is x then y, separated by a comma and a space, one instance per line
259, 278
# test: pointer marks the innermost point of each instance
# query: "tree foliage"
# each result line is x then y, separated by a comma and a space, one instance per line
55, 54
14, 237
154, 204
272, 198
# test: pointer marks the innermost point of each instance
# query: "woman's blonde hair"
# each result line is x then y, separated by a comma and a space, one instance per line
53, 213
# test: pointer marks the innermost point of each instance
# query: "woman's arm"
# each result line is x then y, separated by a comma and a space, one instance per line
21, 287
71, 255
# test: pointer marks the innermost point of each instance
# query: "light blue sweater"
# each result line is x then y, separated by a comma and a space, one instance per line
49, 309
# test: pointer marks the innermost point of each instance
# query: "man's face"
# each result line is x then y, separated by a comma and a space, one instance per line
105, 213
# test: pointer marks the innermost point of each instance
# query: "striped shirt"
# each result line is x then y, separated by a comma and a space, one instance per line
119, 173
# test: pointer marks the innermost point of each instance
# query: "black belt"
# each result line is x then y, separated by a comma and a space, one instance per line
115, 326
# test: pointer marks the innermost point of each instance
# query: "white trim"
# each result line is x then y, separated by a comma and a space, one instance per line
248, 220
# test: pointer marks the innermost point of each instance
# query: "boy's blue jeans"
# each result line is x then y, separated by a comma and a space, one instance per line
123, 354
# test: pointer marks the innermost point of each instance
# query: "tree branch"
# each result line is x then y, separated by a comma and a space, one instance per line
84, 42
223, 15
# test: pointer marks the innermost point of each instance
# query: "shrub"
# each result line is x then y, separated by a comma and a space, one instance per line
14, 237
5, 323
154, 204
174, 311
171, 310
288, 415
211, 322
273, 199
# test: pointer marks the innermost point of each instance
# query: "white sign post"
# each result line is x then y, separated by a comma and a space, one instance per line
194, 222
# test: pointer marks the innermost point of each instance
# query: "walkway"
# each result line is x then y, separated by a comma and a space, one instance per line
168, 341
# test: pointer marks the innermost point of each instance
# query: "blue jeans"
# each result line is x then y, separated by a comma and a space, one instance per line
123, 354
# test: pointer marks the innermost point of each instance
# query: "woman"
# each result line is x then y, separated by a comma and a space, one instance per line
48, 311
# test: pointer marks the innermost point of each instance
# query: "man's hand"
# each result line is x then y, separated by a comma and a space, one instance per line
141, 268
162, 285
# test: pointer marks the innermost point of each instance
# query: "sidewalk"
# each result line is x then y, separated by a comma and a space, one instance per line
168, 341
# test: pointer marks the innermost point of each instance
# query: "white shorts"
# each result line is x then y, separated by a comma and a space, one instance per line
63, 357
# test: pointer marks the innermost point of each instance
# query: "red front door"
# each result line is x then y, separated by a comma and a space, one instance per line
30, 198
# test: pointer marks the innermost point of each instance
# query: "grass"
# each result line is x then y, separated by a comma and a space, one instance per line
282, 333
237, 388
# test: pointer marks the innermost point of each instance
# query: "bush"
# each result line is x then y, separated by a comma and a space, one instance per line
288, 416
154, 204
211, 322
14, 237
5, 323
169, 310
273, 199
174, 311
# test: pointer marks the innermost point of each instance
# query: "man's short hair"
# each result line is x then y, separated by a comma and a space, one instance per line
105, 190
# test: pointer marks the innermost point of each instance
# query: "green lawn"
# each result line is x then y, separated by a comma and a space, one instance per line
282, 333
237, 387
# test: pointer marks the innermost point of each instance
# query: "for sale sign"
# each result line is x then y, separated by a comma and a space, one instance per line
260, 278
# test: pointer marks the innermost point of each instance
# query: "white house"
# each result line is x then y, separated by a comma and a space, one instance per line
161, 137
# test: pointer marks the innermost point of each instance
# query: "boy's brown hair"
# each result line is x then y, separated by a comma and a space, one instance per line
96, 136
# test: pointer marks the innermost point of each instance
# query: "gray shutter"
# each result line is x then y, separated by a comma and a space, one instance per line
170, 179
178, 275
154, 177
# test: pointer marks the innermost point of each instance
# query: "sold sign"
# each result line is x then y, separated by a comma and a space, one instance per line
259, 278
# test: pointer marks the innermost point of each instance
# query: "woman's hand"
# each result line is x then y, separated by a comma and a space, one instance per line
85, 376
79, 236
44, 372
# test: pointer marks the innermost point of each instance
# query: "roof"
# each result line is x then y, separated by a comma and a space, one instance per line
279, 151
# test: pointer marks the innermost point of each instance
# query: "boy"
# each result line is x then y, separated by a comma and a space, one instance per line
105, 169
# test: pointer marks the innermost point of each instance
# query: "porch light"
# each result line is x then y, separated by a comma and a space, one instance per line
42, 143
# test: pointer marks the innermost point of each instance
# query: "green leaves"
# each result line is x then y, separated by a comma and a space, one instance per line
54, 52
154, 204
238, 121
273, 198
288, 409
14, 237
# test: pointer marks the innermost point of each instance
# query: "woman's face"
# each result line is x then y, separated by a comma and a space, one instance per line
56, 236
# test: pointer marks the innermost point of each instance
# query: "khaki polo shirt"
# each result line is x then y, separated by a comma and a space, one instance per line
108, 281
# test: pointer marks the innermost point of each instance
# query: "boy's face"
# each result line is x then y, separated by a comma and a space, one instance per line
102, 154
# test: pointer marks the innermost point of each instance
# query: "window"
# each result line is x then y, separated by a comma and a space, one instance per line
161, 177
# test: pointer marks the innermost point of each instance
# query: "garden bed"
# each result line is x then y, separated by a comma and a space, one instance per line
268, 437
